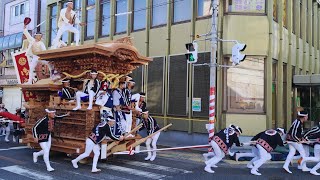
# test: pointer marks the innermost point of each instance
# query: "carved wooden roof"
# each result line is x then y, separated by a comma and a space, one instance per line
118, 56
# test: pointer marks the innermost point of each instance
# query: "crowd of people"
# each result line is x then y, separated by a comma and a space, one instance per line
265, 142
7, 125
120, 112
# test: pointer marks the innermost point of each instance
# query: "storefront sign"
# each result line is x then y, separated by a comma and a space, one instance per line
196, 104
8, 82
12, 81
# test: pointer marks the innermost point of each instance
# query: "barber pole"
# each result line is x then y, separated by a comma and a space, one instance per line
210, 126
213, 71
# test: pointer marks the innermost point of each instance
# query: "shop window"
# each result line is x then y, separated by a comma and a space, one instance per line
246, 6
244, 86
78, 9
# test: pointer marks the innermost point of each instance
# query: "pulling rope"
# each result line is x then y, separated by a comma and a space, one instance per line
131, 152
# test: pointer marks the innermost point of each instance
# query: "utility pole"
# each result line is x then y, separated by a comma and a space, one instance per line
213, 70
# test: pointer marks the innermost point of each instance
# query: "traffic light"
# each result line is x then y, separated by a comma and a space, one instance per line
192, 52
236, 54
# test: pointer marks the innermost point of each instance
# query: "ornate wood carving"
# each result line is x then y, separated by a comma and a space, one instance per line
70, 133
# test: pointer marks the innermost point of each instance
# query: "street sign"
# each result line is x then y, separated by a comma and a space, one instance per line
196, 104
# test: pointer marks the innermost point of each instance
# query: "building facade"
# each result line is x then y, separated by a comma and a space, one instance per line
281, 37
13, 13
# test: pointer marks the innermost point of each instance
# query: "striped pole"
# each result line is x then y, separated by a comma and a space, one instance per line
210, 126
213, 70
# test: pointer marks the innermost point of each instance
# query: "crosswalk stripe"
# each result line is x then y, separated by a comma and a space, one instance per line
27, 172
14, 148
132, 171
155, 166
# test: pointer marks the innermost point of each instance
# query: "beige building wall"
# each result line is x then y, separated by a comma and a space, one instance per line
265, 38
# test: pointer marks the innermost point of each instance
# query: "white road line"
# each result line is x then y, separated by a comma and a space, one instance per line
155, 166
27, 172
106, 176
14, 148
132, 171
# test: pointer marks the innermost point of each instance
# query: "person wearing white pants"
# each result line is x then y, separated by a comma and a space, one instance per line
42, 134
118, 105
7, 132
35, 46
98, 134
151, 126
91, 88
3, 125
295, 140
66, 21
128, 107
221, 143
314, 134
267, 141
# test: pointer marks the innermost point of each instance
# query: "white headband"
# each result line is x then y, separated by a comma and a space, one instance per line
48, 111
303, 115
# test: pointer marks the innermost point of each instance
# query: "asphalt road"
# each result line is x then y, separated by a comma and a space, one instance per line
16, 164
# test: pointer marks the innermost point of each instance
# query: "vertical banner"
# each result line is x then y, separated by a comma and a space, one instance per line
21, 65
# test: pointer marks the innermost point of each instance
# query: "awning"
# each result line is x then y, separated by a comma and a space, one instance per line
11, 41
306, 80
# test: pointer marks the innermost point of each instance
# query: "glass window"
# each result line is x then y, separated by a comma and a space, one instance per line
1, 42
12, 40
78, 9
16, 10
177, 86
294, 14
159, 12
22, 9
301, 18
275, 10
244, 86
285, 8
105, 18
6, 42
121, 20
246, 6
155, 85
65, 34
91, 19
181, 10
201, 84
137, 77
53, 23
139, 14
204, 8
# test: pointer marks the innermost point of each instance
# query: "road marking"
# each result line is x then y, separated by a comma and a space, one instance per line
15, 148
11, 160
105, 176
27, 172
155, 166
132, 171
